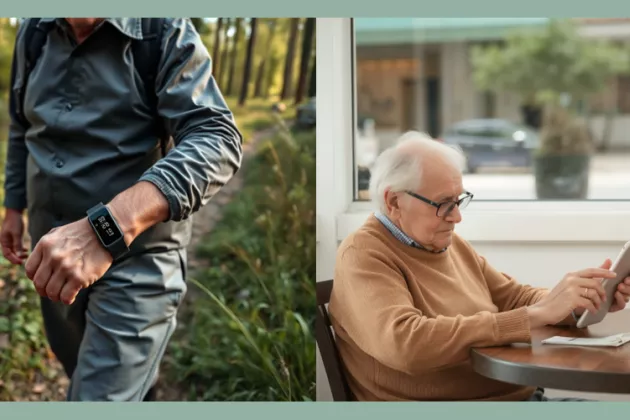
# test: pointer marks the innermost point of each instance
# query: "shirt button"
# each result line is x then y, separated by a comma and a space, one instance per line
59, 164
69, 107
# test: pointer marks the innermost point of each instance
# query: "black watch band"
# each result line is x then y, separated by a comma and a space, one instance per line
107, 230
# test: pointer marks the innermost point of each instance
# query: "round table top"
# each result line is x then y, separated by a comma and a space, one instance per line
574, 368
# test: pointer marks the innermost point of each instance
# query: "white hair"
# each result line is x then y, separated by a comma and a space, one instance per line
399, 168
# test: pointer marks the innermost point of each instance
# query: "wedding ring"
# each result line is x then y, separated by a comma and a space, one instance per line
585, 292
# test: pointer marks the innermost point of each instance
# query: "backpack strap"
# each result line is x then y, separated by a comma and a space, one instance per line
147, 54
34, 39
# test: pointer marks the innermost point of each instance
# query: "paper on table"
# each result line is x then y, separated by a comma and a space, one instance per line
610, 341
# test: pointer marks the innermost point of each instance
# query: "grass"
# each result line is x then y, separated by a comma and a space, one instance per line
250, 336
256, 115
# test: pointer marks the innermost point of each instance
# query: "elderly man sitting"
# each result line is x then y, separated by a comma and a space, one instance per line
411, 298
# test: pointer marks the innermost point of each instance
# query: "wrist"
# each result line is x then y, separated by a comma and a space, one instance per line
126, 222
138, 208
9, 210
535, 314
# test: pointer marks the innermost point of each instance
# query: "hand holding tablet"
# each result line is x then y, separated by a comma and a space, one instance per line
614, 288
590, 294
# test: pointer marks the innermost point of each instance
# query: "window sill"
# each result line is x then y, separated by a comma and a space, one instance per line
534, 221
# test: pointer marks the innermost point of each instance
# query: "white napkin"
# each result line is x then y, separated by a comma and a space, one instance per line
610, 341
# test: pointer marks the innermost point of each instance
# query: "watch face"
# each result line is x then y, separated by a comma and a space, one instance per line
106, 228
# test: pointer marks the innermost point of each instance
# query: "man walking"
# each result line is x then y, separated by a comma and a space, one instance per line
118, 135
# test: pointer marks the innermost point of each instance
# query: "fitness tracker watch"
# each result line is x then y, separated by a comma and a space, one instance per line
107, 230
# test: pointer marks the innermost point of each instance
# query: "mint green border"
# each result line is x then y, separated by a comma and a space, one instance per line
320, 410
313, 411
315, 8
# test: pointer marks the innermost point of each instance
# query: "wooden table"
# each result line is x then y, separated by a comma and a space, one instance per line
586, 369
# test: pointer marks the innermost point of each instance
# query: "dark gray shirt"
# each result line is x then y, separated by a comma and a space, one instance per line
92, 134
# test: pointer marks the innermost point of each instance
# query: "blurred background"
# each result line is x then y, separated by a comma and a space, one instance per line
246, 328
541, 108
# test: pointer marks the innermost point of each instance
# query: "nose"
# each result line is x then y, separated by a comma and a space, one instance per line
455, 216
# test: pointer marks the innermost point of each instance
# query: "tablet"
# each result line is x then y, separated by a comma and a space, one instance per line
621, 266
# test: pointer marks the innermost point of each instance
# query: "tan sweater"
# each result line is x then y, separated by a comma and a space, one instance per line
406, 319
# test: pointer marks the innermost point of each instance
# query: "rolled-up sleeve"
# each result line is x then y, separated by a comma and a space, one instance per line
17, 152
208, 149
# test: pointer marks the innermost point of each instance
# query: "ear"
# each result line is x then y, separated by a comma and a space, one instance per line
392, 200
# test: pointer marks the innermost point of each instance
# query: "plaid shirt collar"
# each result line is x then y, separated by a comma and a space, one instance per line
400, 235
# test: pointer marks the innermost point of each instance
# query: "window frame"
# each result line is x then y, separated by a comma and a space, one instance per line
497, 221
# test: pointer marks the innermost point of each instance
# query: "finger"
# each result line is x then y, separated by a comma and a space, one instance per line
594, 284
596, 273
18, 245
33, 262
623, 289
586, 304
595, 298
607, 264
8, 253
54, 286
41, 279
7, 249
69, 292
620, 301
627, 281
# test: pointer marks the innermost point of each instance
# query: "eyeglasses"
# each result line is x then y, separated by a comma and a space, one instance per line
444, 209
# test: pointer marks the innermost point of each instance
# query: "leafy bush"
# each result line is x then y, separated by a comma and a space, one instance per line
250, 336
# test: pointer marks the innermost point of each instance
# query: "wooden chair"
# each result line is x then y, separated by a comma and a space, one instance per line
327, 347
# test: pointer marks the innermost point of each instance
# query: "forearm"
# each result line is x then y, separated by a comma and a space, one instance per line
138, 208
195, 170
415, 343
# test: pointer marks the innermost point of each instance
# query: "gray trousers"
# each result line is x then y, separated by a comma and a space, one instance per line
111, 339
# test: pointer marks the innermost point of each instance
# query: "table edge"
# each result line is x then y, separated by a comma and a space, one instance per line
549, 377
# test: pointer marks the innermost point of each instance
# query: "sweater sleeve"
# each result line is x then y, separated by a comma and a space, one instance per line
372, 304
506, 292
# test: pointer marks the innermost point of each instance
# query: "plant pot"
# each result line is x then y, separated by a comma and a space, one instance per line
562, 177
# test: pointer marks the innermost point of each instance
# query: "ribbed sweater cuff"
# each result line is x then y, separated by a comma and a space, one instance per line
513, 326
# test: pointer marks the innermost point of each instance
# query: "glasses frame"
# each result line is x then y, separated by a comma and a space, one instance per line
465, 196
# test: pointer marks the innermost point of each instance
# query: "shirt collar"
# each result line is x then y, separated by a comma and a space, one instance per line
132, 27
400, 235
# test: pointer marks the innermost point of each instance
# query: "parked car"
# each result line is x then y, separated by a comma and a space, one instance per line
306, 115
493, 143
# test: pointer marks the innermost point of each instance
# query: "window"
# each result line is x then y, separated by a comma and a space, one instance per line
499, 218
421, 74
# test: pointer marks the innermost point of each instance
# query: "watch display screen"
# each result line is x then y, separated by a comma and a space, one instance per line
106, 228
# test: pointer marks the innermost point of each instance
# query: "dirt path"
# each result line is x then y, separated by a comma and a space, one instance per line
204, 222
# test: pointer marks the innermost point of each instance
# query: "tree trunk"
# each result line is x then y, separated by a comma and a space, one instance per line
248, 62
235, 41
305, 58
274, 64
287, 81
312, 87
260, 77
224, 53
216, 50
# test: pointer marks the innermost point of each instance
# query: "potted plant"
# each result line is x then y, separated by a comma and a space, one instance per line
552, 70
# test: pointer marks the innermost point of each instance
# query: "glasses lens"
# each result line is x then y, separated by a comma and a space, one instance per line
464, 202
445, 209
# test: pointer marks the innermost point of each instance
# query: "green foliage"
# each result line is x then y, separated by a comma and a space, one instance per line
552, 69
543, 65
23, 348
251, 333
